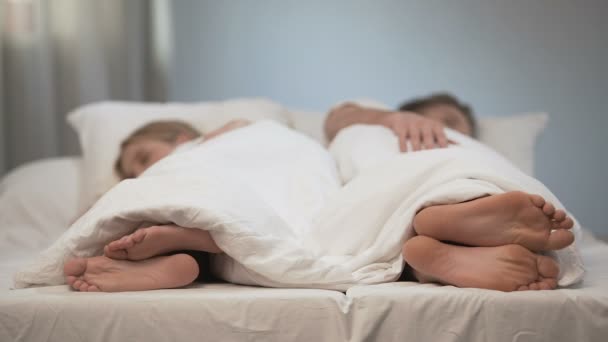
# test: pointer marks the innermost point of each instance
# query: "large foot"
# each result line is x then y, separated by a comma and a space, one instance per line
503, 268
109, 275
158, 240
510, 218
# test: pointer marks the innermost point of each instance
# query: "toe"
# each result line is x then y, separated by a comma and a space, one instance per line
93, 288
114, 245
129, 243
547, 267
83, 287
76, 285
534, 286
123, 241
139, 235
75, 267
118, 254
543, 285
70, 280
559, 215
118, 244
538, 200
551, 283
559, 239
548, 209
523, 288
566, 224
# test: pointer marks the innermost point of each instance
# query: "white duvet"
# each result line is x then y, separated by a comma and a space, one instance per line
274, 203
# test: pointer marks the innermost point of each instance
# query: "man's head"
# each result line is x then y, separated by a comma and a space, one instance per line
446, 109
149, 144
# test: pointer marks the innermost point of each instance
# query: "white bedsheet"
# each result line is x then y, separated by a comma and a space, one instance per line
270, 198
400, 311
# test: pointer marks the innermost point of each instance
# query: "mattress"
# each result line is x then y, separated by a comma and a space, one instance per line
401, 311
389, 312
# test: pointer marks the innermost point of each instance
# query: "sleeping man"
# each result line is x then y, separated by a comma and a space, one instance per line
455, 239
447, 225
410, 122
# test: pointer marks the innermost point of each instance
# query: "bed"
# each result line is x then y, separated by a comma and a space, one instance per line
32, 215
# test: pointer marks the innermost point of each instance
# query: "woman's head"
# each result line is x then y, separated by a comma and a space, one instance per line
149, 144
445, 108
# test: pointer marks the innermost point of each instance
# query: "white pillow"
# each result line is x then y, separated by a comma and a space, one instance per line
40, 197
310, 123
513, 136
101, 128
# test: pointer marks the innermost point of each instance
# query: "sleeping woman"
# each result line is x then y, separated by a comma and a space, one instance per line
497, 236
156, 257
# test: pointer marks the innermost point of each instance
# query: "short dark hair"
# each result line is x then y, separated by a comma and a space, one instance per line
419, 104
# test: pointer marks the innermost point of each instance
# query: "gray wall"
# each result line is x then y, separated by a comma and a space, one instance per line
3, 165
2, 130
502, 56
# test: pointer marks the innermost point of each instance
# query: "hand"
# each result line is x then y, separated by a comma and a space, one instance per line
421, 132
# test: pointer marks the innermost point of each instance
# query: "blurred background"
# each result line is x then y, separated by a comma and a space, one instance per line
503, 57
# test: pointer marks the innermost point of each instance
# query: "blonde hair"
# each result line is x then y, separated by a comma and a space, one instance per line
167, 131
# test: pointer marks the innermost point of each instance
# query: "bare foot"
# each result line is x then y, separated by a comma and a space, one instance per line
109, 275
157, 240
503, 268
510, 218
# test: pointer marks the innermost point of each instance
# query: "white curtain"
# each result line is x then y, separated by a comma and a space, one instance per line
60, 54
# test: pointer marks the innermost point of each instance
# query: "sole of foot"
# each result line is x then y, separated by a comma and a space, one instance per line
109, 275
510, 218
504, 268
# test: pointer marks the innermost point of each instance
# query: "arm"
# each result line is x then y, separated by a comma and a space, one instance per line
419, 130
230, 126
